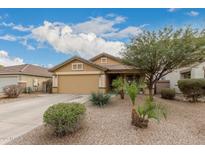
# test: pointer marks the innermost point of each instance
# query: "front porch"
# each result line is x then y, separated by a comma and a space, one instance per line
127, 76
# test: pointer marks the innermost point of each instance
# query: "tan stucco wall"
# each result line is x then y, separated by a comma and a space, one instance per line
29, 81
78, 84
54, 90
109, 61
68, 67
71, 82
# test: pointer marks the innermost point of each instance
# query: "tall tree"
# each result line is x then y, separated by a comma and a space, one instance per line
158, 53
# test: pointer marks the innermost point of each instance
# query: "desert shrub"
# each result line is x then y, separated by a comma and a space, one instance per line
64, 118
167, 93
12, 91
119, 87
99, 99
192, 88
150, 110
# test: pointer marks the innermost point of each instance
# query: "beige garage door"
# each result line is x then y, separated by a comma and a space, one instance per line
78, 84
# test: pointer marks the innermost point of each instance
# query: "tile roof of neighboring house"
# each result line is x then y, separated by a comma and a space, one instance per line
25, 69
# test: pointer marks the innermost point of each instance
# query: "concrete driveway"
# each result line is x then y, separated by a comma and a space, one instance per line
19, 117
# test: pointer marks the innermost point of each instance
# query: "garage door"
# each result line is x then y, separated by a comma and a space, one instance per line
78, 84
4, 81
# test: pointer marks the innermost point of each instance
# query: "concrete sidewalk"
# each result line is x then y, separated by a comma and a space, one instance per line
21, 116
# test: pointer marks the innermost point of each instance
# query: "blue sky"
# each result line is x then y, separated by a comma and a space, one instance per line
49, 36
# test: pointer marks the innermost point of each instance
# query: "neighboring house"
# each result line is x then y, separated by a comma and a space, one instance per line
81, 76
193, 72
26, 75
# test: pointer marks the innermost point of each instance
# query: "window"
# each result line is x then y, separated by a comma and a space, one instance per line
104, 60
55, 81
77, 66
102, 81
163, 78
186, 75
35, 83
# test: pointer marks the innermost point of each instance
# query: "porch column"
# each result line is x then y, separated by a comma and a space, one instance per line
124, 78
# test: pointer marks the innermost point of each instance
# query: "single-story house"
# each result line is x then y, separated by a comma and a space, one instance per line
196, 71
26, 75
80, 76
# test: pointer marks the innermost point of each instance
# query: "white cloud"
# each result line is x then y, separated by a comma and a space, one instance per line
86, 38
104, 27
98, 25
3, 54
45, 65
130, 31
49, 65
172, 10
62, 39
21, 39
7, 24
17, 27
6, 60
24, 42
193, 13
22, 28
8, 37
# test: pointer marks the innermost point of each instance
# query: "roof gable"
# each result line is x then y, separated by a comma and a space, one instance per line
79, 59
106, 55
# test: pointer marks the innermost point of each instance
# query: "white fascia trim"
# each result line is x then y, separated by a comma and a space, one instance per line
78, 72
3, 75
22, 81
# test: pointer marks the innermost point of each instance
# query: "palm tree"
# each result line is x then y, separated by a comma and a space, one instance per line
132, 90
148, 110
119, 86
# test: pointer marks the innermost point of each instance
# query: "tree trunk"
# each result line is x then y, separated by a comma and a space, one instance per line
135, 117
150, 93
122, 94
137, 120
194, 99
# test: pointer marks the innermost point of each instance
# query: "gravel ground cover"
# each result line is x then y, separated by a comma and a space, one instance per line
185, 124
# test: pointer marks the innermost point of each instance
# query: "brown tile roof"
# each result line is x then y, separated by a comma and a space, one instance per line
80, 59
25, 69
106, 55
106, 67
119, 67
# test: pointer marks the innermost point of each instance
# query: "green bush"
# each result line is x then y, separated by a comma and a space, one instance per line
167, 93
192, 88
99, 99
64, 118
